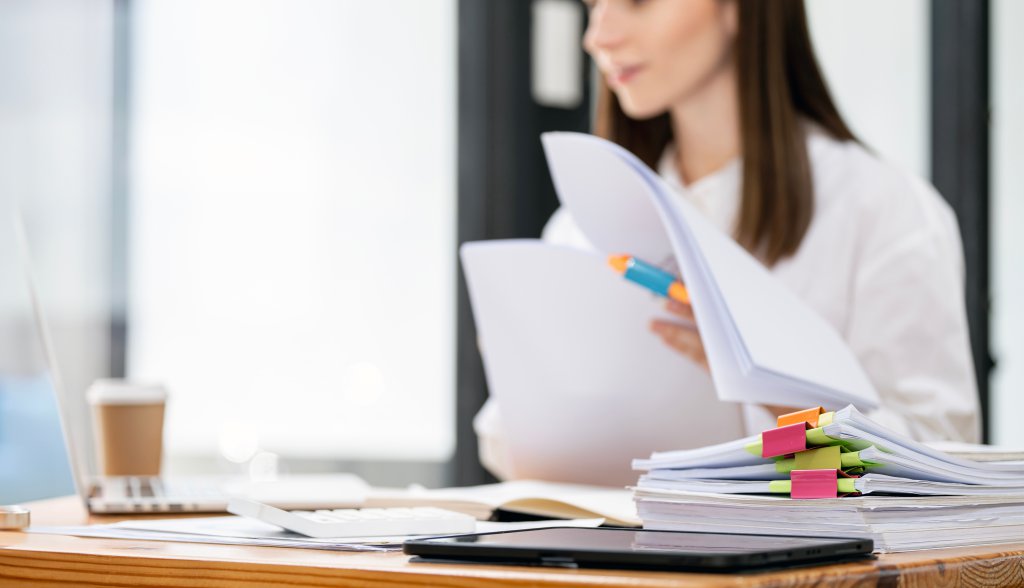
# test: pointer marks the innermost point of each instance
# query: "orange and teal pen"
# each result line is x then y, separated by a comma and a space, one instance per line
649, 276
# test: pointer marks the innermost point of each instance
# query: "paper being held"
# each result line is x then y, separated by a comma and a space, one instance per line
763, 344
583, 385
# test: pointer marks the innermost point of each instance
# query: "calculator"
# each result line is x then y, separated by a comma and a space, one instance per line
357, 522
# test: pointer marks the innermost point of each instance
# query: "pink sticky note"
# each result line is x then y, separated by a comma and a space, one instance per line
813, 484
784, 440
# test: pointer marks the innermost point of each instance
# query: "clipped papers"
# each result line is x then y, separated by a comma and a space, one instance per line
862, 479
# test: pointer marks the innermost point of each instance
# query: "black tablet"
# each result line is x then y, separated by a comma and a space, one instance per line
637, 549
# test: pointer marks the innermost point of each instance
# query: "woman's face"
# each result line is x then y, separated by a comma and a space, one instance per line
656, 54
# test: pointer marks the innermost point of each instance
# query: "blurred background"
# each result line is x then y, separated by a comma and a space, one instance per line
259, 204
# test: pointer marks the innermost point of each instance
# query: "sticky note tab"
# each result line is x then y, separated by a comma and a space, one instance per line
852, 459
817, 437
784, 440
847, 486
814, 484
809, 416
822, 458
784, 466
753, 448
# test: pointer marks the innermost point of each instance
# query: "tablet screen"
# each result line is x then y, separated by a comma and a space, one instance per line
624, 540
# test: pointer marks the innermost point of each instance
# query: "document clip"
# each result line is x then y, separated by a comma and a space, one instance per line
820, 484
809, 416
784, 440
822, 458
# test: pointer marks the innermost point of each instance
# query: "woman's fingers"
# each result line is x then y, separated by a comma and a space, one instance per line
683, 338
679, 309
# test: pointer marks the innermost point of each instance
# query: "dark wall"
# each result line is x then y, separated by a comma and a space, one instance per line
960, 154
504, 187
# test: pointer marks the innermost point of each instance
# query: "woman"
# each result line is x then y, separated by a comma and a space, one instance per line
725, 100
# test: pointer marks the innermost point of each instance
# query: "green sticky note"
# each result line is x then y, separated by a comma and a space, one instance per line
780, 486
851, 460
822, 458
818, 437
847, 485
754, 448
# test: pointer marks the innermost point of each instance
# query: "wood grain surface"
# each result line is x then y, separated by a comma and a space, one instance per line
28, 559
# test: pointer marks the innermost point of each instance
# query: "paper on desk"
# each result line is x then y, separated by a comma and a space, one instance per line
110, 532
583, 384
232, 530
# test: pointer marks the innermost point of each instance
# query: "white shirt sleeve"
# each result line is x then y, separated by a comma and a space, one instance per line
908, 324
491, 441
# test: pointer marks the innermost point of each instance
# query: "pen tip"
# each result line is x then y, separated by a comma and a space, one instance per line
619, 262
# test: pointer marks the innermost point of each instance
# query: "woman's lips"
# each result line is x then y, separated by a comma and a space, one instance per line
623, 75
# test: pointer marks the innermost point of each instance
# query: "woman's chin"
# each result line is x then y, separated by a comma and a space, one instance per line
640, 109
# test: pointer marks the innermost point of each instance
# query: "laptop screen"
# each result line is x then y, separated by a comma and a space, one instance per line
33, 453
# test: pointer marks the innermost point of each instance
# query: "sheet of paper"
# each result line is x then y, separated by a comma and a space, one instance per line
583, 385
977, 452
749, 321
232, 530
232, 535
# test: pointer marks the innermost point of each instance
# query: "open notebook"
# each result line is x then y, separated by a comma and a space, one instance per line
545, 499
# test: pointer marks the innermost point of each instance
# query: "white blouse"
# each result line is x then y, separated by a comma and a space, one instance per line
882, 261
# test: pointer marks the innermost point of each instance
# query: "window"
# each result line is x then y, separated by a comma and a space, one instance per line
292, 225
1007, 215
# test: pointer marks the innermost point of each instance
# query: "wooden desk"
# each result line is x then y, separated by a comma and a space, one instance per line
53, 560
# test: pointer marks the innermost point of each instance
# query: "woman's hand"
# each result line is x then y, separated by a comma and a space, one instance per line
681, 335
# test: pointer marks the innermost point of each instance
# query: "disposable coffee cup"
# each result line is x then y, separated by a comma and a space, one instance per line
128, 426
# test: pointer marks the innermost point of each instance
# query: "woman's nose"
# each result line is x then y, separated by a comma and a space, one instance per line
604, 28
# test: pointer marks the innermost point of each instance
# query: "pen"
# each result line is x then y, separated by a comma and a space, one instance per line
651, 277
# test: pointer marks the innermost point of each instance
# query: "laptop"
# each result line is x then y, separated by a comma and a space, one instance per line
133, 494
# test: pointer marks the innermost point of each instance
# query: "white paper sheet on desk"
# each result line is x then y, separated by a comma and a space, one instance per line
762, 342
232, 530
583, 385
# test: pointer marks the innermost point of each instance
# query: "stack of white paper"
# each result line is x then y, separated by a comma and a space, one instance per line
935, 499
893, 523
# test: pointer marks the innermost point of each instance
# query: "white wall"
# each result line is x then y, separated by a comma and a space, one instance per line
293, 225
875, 56
1007, 221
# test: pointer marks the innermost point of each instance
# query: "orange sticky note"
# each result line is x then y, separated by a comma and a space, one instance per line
809, 416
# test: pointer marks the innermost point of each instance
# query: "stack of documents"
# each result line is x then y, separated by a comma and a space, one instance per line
902, 494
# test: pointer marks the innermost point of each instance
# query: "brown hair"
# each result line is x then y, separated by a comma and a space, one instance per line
779, 82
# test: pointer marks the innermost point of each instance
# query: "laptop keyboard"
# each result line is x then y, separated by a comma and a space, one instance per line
153, 493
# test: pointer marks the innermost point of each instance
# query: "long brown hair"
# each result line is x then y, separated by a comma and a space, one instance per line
779, 83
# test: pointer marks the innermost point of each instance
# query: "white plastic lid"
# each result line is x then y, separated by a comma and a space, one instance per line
112, 391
